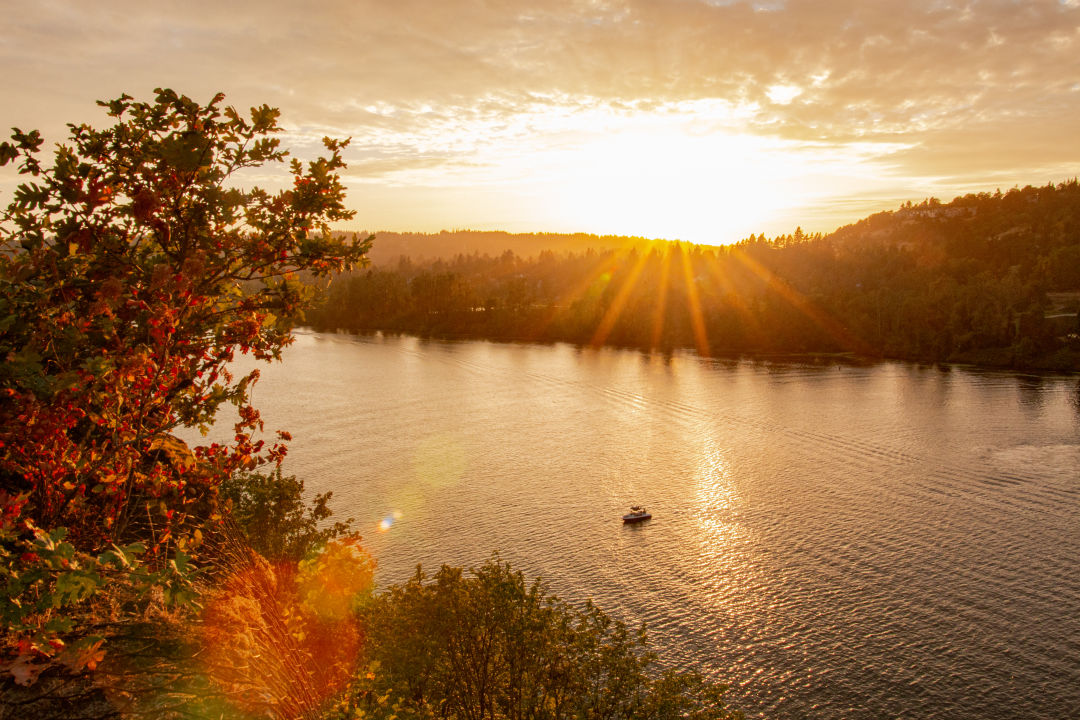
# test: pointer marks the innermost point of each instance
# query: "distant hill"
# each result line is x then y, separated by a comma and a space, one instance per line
1032, 233
1034, 229
389, 247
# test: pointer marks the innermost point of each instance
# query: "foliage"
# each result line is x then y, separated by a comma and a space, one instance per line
491, 645
47, 579
279, 640
966, 281
132, 271
277, 522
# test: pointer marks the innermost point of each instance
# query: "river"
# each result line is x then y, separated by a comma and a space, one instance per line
832, 540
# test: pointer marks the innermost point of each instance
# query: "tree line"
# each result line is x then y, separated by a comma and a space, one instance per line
973, 280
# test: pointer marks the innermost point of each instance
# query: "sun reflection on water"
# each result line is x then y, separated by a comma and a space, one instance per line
723, 539
717, 498
437, 464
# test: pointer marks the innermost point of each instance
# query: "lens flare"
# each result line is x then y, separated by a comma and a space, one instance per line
616, 307
279, 640
439, 461
388, 522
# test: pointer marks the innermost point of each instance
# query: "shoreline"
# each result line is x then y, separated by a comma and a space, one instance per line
993, 358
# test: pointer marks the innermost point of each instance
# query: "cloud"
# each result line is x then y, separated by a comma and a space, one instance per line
969, 88
882, 57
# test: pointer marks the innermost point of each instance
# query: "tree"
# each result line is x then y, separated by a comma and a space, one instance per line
491, 645
132, 271
271, 515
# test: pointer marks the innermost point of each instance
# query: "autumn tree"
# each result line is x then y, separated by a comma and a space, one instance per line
133, 270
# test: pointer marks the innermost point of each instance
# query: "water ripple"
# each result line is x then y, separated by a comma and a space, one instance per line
882, 541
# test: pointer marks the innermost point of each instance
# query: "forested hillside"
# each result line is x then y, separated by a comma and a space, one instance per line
988, 278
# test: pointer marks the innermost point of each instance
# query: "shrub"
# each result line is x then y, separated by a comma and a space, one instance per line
490, 645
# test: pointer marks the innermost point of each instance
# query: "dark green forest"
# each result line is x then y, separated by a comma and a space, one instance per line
989, 278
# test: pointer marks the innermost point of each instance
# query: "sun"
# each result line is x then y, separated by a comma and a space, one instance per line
662, 182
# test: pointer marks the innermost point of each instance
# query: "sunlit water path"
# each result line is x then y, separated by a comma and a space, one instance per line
834, 541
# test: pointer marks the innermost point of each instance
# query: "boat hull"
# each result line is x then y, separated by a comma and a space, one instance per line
630, 519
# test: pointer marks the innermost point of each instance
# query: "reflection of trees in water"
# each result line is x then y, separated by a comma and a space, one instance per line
1032, 389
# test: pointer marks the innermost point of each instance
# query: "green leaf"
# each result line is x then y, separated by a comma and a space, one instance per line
74, 586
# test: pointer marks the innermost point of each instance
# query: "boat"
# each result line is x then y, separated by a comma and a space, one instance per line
636, 514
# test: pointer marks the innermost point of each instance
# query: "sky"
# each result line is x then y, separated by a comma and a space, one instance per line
701, 120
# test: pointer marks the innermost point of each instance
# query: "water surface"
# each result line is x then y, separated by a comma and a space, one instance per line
833, 541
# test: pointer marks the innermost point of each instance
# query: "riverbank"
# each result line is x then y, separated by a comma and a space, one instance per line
1065, 359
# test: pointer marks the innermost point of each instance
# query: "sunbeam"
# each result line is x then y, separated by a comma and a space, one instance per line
661, 297
693, 305
605, 264
734, 298
603, 329
803, 304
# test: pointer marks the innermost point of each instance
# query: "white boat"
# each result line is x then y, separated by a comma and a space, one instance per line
636, 514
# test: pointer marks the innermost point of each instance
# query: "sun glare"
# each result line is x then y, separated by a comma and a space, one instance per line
701, 171
663, 183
